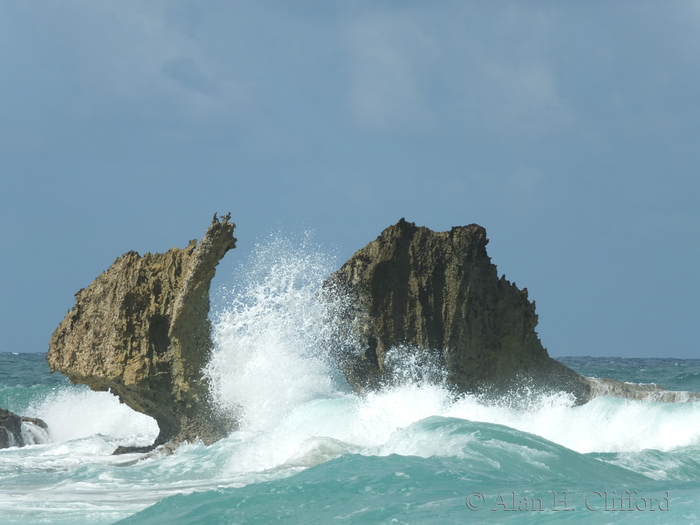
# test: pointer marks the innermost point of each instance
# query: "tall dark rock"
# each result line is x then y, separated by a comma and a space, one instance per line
141, 330
438, 297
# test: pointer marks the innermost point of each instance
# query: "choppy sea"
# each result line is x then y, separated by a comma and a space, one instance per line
310, 451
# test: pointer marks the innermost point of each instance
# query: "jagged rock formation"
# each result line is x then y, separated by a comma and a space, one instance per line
425, 303
436, 295
18, 431
141, 330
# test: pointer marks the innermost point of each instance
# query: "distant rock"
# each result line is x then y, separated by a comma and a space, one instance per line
639, 391
434, 299
18, 431
141, 330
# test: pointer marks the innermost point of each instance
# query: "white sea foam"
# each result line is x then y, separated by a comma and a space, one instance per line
33, 434
269, 367
74, 413
267, 360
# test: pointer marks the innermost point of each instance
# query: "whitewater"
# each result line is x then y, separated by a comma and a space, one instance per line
311, 451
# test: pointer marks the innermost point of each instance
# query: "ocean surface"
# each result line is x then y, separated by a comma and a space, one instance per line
310, 451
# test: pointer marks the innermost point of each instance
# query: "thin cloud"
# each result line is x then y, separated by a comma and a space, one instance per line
106, 56
388, 54
500, 74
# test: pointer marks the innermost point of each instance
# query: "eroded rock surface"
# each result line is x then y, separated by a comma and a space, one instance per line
141, 330
427, 303
437, 297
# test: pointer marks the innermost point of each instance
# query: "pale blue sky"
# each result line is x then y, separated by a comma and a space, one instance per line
570, 130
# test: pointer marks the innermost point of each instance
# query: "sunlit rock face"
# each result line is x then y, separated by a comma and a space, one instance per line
141, 330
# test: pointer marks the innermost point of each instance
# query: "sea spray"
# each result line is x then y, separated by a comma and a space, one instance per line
77, 412
602, 425
311, 451
268, 357
33, 434
269, 366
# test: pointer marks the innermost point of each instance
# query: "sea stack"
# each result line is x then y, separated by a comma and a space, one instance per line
141, 330
436, 298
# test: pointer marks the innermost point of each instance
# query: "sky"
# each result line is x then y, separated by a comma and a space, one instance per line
569, 130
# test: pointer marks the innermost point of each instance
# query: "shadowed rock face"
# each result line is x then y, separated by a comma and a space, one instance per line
141, 330
12, 433
437, 294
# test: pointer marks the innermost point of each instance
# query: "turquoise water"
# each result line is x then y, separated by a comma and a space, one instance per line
409, 455
309, 451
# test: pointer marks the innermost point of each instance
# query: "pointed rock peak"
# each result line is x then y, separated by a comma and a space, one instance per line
141, 330
418, 292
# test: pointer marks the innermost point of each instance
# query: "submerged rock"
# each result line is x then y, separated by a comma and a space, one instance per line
435, 298
141, 330
18, 431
